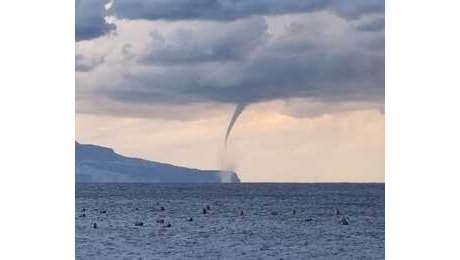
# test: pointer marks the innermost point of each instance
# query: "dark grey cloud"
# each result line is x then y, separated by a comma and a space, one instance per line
235, 9
376, 44
211, 9
90, 15
354, 9
235, 58
289, 66
217, 43
90, 20
375, 25
85, 64
352, 76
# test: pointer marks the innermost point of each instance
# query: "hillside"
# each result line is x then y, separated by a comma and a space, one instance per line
101, 164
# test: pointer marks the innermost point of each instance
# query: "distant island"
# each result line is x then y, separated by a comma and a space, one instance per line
101, 164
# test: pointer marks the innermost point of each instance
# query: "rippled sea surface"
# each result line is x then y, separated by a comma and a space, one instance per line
244, 221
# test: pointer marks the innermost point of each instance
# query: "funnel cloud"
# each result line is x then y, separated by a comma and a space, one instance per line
238, 110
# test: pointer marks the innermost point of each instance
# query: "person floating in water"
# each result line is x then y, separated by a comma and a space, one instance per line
344, 221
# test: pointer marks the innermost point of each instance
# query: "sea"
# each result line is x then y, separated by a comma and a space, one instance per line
230, 221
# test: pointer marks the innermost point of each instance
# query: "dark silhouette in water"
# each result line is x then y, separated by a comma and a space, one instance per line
103, 211
241, 213
294, 212
161, 221
94, 225
208, 207
162, 208
344, 221
337, 212
82, 215
190, 219
168, 225
83, 209
204, 211
139, 224
308, 219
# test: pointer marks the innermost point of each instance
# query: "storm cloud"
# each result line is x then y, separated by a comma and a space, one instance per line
208, 43
84, 64
235, 9
375, 25
90, 19
234, 52
91, 15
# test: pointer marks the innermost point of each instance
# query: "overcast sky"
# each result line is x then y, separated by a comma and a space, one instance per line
160, 80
